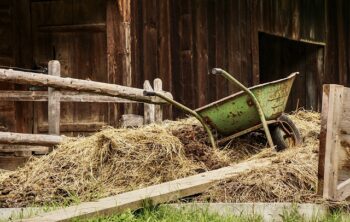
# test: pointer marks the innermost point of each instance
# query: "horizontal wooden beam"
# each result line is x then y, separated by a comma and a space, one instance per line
135, 94
99, 27
32, 139
18, 148
66, 96
160, 193
75, 127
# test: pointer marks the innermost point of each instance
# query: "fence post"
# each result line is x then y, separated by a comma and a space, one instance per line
158, 86
54, 109
148, 109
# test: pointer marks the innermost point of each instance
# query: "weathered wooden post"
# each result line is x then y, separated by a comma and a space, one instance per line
54, 108
148, 109
158, 86
334, 173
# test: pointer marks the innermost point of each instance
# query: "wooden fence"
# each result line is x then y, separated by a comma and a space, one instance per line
334, 153
68, 90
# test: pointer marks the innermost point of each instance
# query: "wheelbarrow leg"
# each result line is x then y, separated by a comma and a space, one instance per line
188, 110
252, 96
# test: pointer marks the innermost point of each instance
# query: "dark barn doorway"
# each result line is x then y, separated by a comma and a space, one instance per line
278, 57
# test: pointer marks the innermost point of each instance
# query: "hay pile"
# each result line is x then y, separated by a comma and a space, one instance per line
110, 162
291, 178
119, 160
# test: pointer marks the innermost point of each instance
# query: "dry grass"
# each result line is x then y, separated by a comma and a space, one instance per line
292, 176
118, 160
110, 162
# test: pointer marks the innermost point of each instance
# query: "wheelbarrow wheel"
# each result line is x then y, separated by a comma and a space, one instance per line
285, 134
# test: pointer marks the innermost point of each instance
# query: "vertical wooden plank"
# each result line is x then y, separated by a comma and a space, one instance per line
164, 49
23, 58
54, 100
221, 47
158, 113
201, 51
323, 134
329, 144
7, 57
118, 50
211, 82
341, 44
245, 71
175, 53
233, 43
149, 109
254, 20
186, 54
136, 40
331, 55
125, 10
150, 37
295, 20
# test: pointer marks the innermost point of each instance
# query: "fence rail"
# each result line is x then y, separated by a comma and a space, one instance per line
73, 90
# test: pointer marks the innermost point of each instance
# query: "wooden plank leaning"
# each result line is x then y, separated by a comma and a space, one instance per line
334, 152
160, 193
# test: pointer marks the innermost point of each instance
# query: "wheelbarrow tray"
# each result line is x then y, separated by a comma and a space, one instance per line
238, 114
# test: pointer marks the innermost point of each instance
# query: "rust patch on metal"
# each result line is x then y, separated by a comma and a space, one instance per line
235, 114
250, 102
209, 122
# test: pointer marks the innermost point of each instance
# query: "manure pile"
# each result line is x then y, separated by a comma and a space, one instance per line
118, 160
291, 178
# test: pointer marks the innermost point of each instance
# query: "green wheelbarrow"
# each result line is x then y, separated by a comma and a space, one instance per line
260, 106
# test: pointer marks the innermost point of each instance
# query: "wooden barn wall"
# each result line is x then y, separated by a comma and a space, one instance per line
15, 50
180, 41
338, 42
176, 40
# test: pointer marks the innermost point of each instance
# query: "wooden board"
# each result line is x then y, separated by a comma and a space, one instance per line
5, 148
66, 96
8, 75
334, 154
160, 193
29, 139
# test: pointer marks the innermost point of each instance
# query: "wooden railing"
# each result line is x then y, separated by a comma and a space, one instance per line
74, 90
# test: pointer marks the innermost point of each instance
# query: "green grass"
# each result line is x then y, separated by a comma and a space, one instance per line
294, 216
169, 214
164, 213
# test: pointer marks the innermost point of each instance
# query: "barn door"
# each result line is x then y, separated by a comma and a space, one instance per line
278, 57
73, 32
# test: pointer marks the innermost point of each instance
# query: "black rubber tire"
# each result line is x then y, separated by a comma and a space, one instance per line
281, 139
